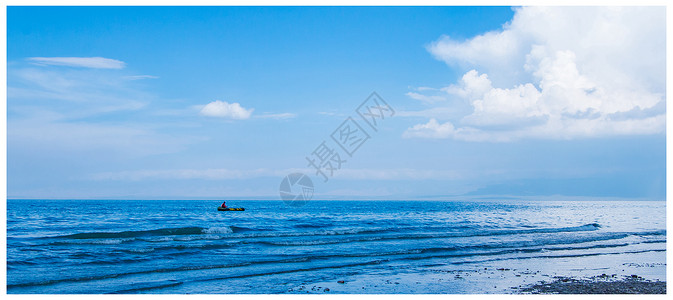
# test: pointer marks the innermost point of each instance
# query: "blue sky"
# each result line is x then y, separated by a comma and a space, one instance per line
223, 102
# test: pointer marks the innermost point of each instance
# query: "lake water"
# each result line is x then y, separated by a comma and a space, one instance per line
106, 246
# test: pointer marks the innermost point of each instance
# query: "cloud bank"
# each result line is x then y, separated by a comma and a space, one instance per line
224, 109
82, 62
555, 73
222, 174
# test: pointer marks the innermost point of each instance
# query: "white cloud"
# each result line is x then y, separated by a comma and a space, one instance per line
331, 113
432, 130
183, 174
83, 62
75, 93
560, 73
398, 174
223, 109
434, 112
222, 174
139, 77
279, 116
60, 109
426, 98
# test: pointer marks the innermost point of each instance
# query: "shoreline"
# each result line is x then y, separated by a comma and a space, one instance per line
599, 274
601, 284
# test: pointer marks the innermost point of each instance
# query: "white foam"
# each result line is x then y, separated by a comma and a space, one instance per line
108, 242
216, 230
142, 250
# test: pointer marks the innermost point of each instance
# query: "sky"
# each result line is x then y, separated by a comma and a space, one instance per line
224, 102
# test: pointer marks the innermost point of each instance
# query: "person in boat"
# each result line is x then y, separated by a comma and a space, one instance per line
224, 205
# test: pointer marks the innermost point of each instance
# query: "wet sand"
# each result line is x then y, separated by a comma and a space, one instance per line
600, 274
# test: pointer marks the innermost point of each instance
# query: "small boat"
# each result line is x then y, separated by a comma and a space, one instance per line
220, 208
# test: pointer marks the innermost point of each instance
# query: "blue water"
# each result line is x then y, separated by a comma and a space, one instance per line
100, 246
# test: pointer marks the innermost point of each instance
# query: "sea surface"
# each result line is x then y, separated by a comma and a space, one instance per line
131, 246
